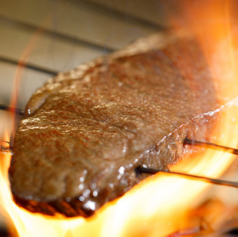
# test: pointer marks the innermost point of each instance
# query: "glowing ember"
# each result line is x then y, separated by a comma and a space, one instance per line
159, 205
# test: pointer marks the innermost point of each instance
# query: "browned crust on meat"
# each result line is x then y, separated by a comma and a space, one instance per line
87, 130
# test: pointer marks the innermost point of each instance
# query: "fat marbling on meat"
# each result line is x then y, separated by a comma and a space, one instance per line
86, 130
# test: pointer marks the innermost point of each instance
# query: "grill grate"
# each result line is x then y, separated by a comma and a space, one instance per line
47, 37
51, 36
54, 36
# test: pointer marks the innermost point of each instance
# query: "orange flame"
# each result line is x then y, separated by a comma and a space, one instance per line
156, 207
20, 69
159, 205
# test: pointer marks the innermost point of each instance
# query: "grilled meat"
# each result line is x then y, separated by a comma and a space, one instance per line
86, 130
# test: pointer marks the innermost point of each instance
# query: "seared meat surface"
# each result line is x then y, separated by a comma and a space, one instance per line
86, 131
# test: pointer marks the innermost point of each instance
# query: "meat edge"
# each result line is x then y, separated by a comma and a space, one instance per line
169, 149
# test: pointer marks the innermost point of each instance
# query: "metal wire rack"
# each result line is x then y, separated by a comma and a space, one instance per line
50, 36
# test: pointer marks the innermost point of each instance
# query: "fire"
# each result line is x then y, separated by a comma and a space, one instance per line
156, 207
159, 205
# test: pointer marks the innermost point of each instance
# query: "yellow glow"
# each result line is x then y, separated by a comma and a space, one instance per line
157, 206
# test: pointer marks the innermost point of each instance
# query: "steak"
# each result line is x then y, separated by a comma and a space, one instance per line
87, 130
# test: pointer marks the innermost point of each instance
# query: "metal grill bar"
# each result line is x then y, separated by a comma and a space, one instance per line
70, 39
18, 111
211, 146
28, 65
197, 177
